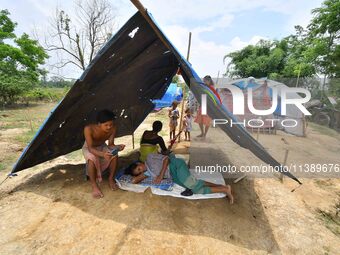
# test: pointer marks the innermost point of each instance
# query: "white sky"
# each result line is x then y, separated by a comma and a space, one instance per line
218, 26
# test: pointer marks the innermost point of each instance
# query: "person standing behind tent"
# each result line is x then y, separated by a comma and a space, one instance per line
98, 155
173, 115
204, 121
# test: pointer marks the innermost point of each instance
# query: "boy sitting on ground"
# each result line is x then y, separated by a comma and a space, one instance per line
98, 155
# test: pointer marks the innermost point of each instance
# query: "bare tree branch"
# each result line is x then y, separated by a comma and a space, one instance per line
81, 37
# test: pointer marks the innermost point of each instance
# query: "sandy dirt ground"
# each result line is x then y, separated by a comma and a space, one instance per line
49, 209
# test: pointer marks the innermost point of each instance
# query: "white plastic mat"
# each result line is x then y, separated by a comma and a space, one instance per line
176, 190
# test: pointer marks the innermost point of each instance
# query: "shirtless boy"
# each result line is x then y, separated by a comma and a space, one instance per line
98, 154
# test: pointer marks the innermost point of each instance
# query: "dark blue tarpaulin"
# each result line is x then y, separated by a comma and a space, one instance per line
135, 67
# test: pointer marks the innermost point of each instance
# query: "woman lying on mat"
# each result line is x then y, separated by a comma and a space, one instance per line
151, 140
160, 166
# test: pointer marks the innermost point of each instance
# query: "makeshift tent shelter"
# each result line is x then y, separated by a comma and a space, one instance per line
262, 99
173, 93
141, 52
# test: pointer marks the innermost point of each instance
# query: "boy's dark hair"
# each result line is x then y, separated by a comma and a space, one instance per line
130, 168
104, 116
157, 126
174, 103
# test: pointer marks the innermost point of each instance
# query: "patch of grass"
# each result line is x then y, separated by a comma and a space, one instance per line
26, 137
324, 130
24, 117
327, 250
331, 220
322, 183
163, 133
9, 161
47, 94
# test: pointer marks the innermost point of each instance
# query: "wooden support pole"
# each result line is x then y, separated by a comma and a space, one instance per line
133, 133
144, 13
284, 163
240, 178
189, 47
297, 80
218, 77
133, 140
29, 119
285, 157
184, 91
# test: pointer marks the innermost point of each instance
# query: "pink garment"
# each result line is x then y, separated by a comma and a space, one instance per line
202, 119
101, 163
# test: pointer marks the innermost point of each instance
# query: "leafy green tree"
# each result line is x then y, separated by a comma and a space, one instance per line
257, 61
324, 44
273, 59
298, 60
307, 52
324, 35
19, 64
57, 82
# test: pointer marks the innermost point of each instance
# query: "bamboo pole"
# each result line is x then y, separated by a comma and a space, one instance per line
285, 156
144, 13
297, 80
218, 77
133, 140
184, 90
133, 133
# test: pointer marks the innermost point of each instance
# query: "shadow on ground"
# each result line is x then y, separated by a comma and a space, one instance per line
241, 224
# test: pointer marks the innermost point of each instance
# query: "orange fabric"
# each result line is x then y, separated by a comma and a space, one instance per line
202, 119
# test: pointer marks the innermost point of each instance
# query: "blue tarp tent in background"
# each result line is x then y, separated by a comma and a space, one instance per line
173, 93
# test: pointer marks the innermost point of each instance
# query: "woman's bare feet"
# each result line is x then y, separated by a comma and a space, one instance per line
201, 135
96, 192
229, 194
113, 185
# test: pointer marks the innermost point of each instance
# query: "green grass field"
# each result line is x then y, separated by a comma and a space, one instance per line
19, 124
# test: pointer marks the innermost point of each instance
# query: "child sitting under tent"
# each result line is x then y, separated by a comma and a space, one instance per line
98, 155
151, 140
160, 166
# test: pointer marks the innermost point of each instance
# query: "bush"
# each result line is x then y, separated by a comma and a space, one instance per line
45, 94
